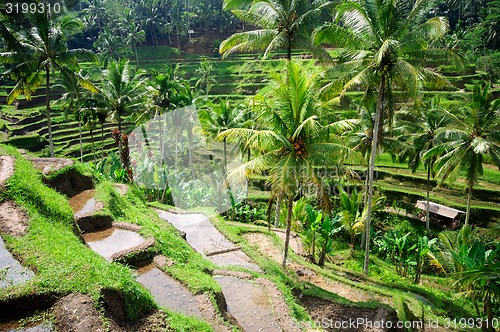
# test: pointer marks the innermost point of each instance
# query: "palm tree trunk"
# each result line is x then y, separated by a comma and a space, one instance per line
80, 136
313, 251
178, 39
427, 202
288, 227
489, 312
119, 121
102, 140
322, 255
190, 141
278, 206
371, 167
289, 49
225, 157
93, 146
155, 39
47, 104
469, 198
136, 56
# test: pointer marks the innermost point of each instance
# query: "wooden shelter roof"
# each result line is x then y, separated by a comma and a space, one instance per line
439, 209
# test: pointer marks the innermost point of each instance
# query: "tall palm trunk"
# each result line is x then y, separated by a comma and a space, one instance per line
277, 213
190, 141
469, 198
93, 146
288, 227
427, 204
136, 56
289, 48
160, 129
225, 157
80, 136
102, 140
47, 104
371, 167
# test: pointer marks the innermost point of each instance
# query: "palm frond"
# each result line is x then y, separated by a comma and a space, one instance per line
246, 41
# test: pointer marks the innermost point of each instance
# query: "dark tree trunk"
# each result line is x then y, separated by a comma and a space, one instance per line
427, 216
288, 227
277, 211
47, 105
80, 136
469, 199
225, 156
322, 256
102, 140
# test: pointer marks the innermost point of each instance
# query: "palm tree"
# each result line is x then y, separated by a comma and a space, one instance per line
134, 35
109, 47
123, 91
71, 102
385, 44
44, 50
284, 25
88, 115
96, 12
361, 137
476, 134
294, 142
423, 126
222, 117
206, 72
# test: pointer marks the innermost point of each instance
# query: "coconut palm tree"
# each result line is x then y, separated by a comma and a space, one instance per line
123, 91
206, 72
96, 12
134, 35
283, 24
475, 135
222, 117
294, 142
423, 126
384, 44
44, 51
71, 102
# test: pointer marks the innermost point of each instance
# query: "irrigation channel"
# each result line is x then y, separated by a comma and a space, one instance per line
246, 301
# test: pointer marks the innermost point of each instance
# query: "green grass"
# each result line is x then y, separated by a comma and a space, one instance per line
458, 202
491, 175
62, 263
151, 52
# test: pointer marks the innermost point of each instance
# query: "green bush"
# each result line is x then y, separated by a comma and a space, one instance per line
26, 186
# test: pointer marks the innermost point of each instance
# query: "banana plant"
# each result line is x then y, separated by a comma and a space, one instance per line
403, 257
350, 215
329, 227
422, 253
313, 222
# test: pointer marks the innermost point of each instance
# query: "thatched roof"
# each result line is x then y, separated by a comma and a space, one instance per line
439, 209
